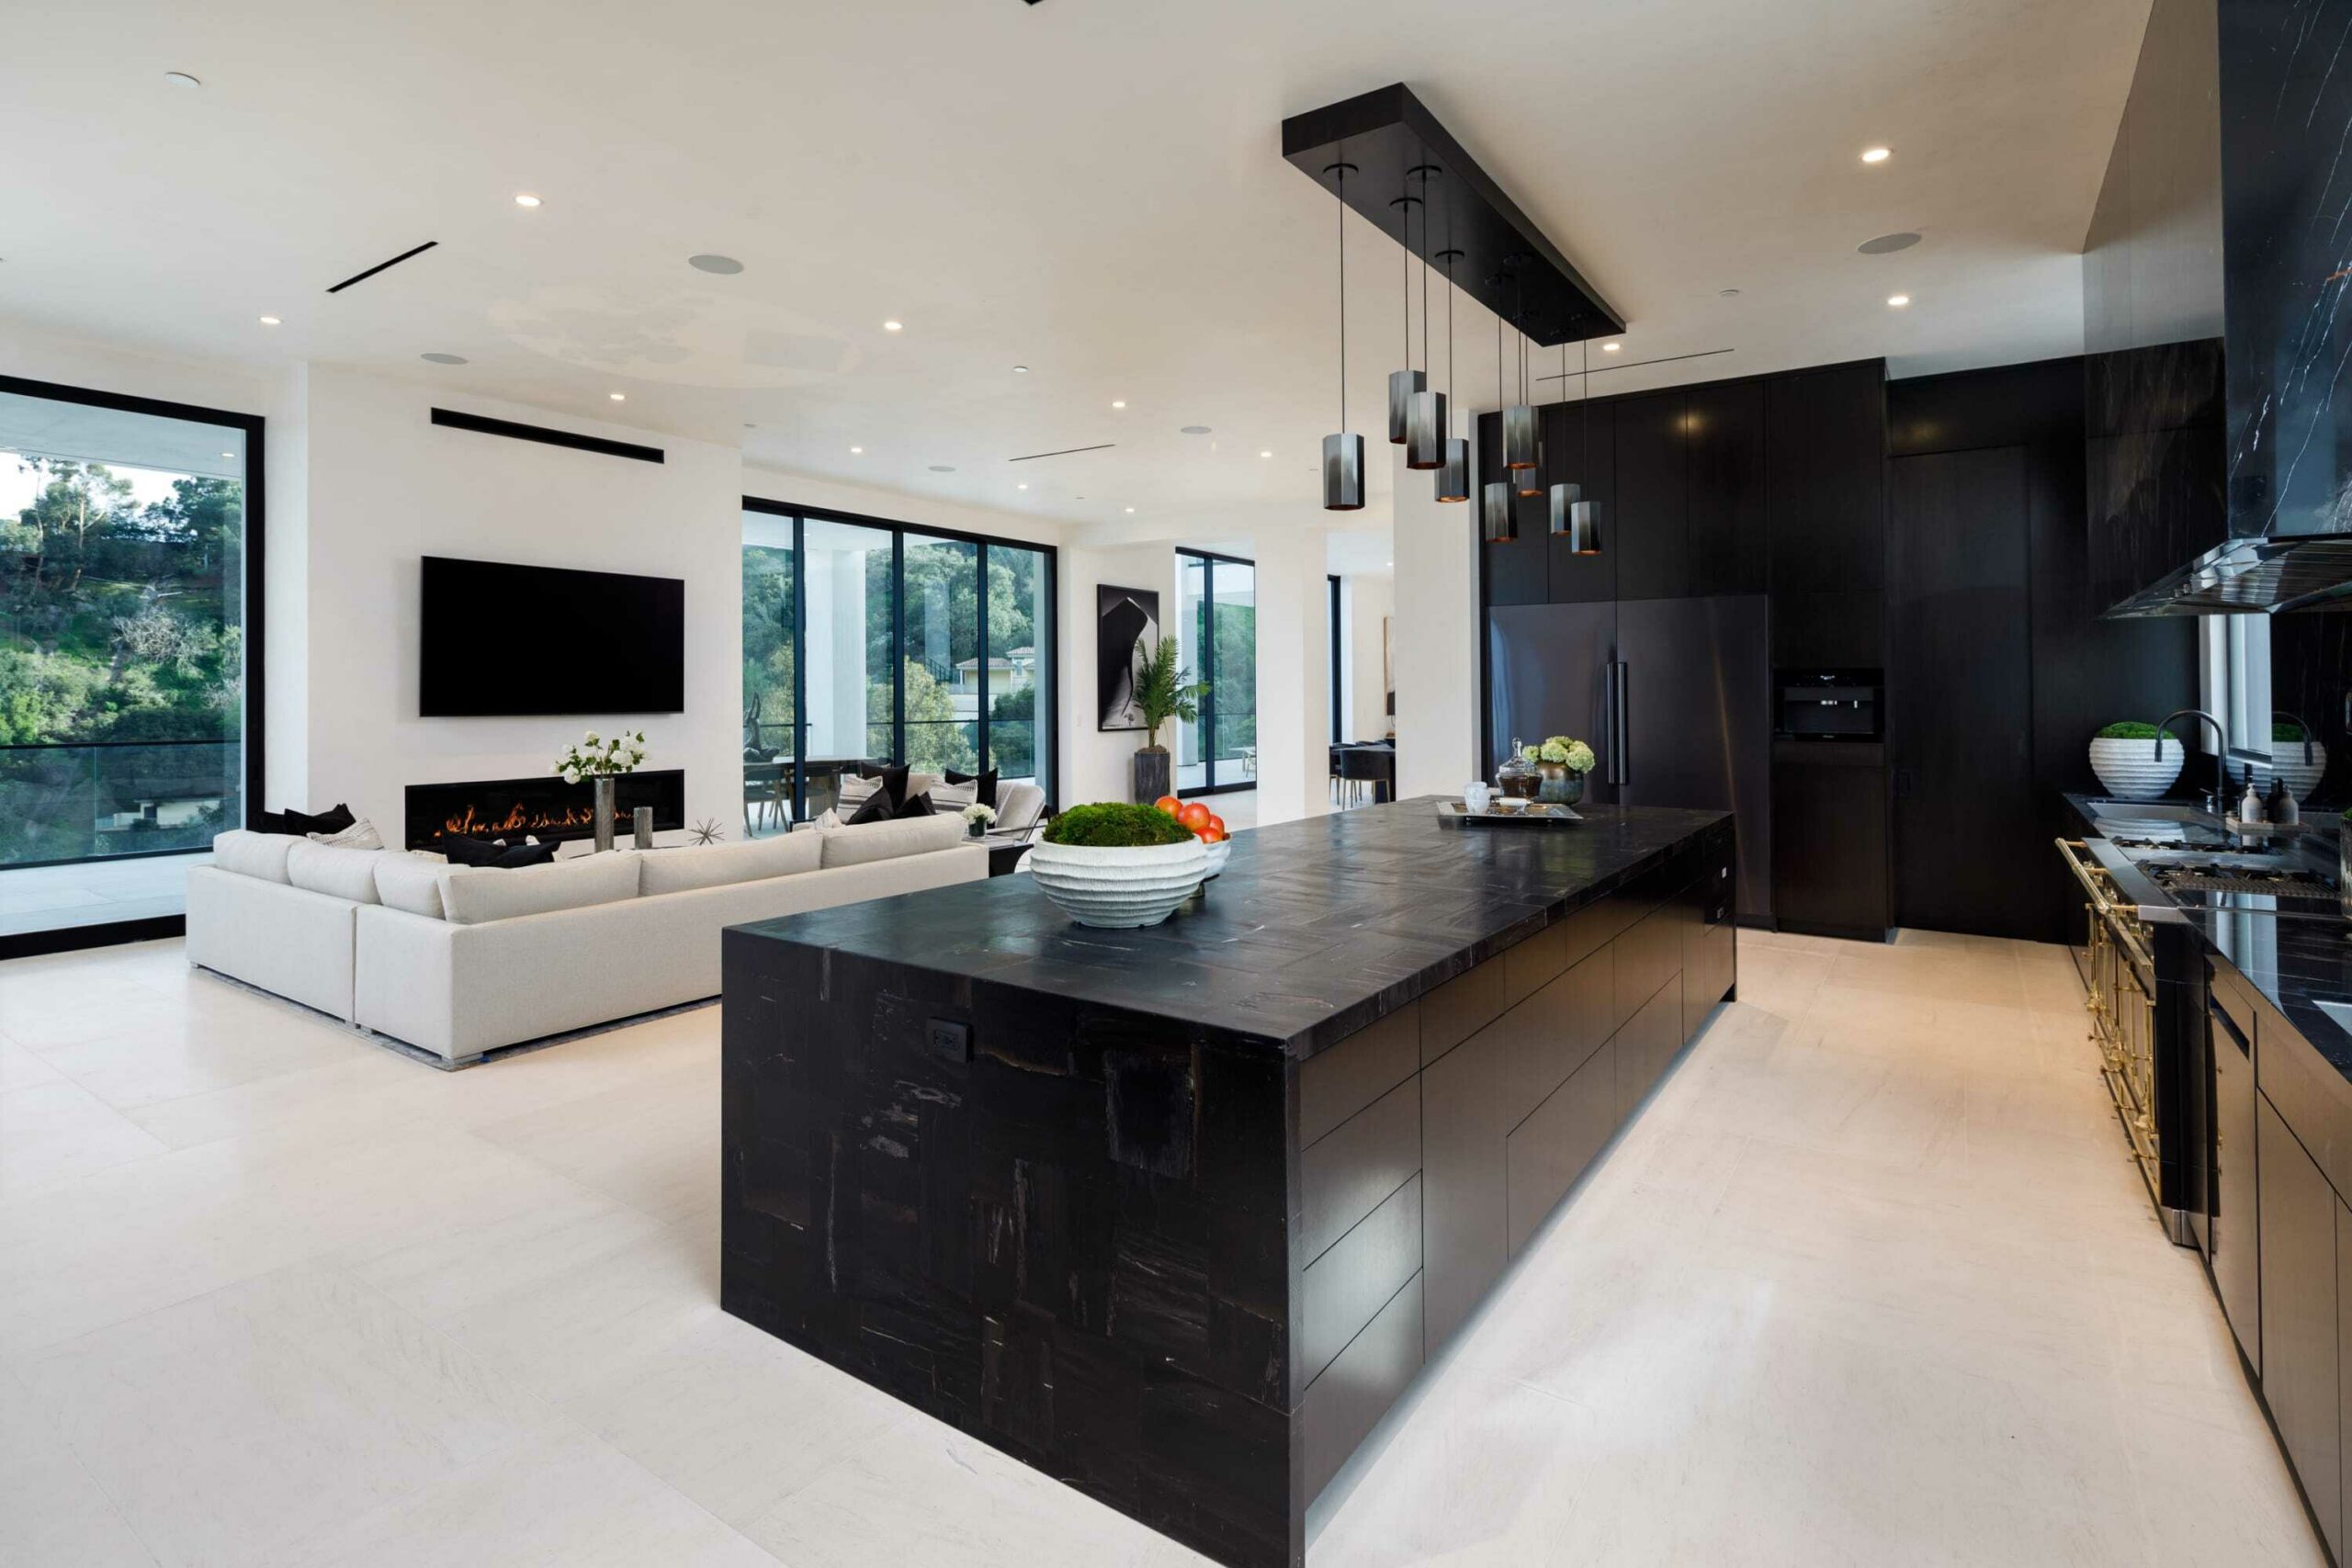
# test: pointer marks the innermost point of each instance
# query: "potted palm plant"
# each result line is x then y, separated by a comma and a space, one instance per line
1165, 690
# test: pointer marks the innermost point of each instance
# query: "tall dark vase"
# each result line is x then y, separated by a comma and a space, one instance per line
1153, 774
604, 798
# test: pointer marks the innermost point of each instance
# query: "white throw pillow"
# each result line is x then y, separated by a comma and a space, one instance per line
713, 865
360, 835
864, 842
476, 895
952, 799
854, 790
410, 882
331, 868
249, 853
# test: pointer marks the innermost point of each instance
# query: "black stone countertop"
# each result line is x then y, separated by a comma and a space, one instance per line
1315, 929
2295, 961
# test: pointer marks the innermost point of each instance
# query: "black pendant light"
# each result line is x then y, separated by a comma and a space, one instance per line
1342, 453
1498, 505
1402, 384
1572, 514
1425, 411
1519, 424
1529, 481
1454, 477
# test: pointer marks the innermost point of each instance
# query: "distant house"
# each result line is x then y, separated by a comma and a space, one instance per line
1012, 670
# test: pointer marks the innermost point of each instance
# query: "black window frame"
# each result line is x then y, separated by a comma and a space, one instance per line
252, 724
1045, 717
1338, 734
1206, 674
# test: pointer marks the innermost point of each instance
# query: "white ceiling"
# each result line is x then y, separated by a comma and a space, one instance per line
1090, 187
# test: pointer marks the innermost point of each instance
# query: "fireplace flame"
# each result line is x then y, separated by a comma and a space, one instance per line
519, 819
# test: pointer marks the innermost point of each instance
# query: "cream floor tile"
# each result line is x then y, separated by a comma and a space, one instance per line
20, 1066
143, 1065
51, 1511
571, 1502
53, 1131
245, 1426
649, 1144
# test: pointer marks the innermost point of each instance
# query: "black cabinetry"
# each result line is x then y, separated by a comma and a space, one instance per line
1724, 429
1829, 838
2299, 1335
1826, 491
1653, 531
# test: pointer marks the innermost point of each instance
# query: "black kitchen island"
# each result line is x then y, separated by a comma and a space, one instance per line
1176, 1214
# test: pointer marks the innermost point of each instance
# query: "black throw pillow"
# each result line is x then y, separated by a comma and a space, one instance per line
986, 794
498, 853
886, 802
917, 806
297, 823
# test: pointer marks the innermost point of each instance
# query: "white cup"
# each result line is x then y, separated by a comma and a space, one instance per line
1475, 796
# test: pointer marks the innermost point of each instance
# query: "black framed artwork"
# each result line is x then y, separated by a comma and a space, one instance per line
1126, 625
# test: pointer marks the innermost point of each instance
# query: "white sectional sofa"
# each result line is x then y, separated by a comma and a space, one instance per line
461, 960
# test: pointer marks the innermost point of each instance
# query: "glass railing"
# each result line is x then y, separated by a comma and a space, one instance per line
61, 803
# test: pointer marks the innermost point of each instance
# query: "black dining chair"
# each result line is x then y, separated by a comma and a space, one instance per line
1366, 774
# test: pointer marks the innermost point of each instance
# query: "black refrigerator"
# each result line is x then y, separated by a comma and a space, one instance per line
1674, 695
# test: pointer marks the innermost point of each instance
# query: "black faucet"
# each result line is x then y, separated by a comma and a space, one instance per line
2210, 797
2308, 733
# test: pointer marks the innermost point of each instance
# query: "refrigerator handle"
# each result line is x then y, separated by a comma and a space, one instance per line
1619, 736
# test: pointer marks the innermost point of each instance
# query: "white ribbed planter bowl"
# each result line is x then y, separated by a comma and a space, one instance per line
1118, 888
2287, 761
2136, 770
1219, 852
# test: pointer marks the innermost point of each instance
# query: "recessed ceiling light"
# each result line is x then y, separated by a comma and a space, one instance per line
725, 266
1611, 347
1898, 300
442, 358
1877, 155
855, 450
1265, 454
894, 326
270, 321
1196, 430
1727, 293
1118, 402
228, 453
618, 397
1021, 370
525, 199
1131, 509
1022, 485
1886, 244
942, 467
181, 79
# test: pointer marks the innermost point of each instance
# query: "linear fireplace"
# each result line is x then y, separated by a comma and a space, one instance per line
542, 808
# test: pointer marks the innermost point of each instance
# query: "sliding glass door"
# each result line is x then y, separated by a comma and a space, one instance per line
130, 626
867, 641
1218, 632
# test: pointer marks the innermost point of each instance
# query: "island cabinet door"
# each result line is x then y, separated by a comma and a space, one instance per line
1464, 1118
2300, 1334
1545, 1154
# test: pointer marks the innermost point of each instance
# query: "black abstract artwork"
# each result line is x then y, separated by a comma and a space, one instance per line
1126, 625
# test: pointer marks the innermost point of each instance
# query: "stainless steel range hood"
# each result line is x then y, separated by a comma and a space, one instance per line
2246, 576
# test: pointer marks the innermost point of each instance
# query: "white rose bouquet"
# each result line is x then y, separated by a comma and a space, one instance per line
977, 818
595, 758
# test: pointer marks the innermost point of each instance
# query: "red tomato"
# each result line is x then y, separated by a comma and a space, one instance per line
1193, 815
1218, 823
1171, 805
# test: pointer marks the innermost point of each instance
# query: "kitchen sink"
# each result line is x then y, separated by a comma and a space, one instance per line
2151, 811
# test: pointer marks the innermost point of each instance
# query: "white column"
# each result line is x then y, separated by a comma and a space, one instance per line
1294, 669
1435, 637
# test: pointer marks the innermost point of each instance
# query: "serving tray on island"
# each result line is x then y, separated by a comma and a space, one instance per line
1533, 814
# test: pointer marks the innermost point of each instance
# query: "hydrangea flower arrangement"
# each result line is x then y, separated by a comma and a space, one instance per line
1572, 753
595, 758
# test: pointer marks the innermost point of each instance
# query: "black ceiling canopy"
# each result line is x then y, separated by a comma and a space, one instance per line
1399, 154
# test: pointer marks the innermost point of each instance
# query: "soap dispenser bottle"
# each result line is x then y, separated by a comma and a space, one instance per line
2279, 806
2250, 803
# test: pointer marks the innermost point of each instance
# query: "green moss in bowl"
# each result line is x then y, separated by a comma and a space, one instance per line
2130, 729
1117, 825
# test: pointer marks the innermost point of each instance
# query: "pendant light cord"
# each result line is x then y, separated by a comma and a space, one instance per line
1339, 189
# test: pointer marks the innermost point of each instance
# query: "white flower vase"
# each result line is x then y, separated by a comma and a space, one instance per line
2136, 770
1118, 888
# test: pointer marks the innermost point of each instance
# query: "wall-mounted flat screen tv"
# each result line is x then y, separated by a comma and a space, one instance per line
506, 640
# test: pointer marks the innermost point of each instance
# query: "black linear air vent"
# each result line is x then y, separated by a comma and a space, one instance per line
540, 432
364, 276
1065, 452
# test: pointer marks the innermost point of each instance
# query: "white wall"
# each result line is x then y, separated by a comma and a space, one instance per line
1435, 640
1365, 601
1293, 668
387, 487
1095, 763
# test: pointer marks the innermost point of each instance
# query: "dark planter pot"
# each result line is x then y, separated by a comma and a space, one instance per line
1153, 773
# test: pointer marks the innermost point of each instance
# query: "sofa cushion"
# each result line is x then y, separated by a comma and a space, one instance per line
966, 789
334, 819
462, 850
360, 835
1017, 808
475, 894
859, 843
332, 870
410, 882
712, 865
854, 792
251, 853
